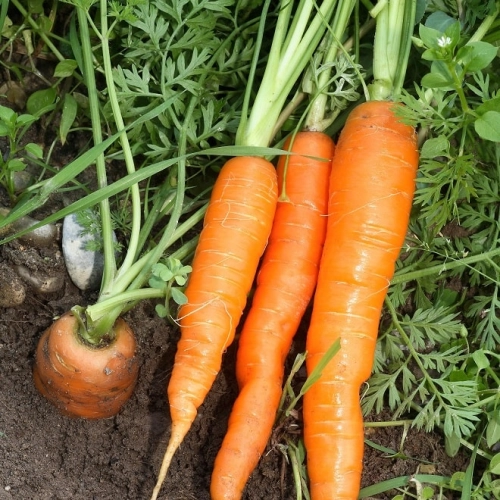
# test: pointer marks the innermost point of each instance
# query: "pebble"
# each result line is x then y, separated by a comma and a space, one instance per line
41, 237
22, 180
41, 281
12, 290
85, 267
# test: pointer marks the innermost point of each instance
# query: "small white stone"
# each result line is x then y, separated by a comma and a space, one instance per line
85, 267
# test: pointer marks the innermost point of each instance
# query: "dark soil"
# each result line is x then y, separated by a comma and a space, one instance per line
44, 455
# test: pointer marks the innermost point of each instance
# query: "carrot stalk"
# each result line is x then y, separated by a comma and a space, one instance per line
371, 191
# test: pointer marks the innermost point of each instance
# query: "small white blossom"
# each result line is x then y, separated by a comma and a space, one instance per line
444, 41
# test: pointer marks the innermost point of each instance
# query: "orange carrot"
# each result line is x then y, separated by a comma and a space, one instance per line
285, 285
235, 233
371, 191
83, 380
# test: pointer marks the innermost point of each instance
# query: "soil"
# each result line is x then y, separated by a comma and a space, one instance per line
44, 455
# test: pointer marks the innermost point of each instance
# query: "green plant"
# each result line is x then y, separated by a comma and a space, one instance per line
15, 159
436, 361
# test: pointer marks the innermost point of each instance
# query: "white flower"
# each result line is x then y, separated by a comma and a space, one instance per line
444, 41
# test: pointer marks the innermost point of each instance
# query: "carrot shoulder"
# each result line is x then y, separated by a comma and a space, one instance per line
235, 233
285, 285
371, 192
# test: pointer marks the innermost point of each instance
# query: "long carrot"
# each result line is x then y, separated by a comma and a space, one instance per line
285, 285
371, 192
82, 380
235, 233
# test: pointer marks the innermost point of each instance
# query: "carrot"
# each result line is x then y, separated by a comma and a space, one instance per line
234, 235
80, 379
279, 302
371, 191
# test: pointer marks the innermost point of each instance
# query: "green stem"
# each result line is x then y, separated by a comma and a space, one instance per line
119, 301
394, 28
457, 83
485, 26
403, 277
141, 265
292, 47
251, 76
127, 153
390, 423
37, 28
105, 213
316, 116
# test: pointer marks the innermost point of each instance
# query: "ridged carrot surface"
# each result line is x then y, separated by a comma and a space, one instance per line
81, 380
285, 285
371, 192
235, 233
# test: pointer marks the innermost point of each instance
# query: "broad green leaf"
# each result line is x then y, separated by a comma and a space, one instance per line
457, 480
429, 36
41, 101
178, 297
495, 464
68, 115
437, 146
452, 31
493, 429
475, 56
4, 129
439, 21
25, 119
452, 444
161, 310
420, 10
65, 68
438, 81
36, 6
7, 115
16, 165
166, 274
487, 126
156, 282
34, 150
480, 359
489, 105
180, 280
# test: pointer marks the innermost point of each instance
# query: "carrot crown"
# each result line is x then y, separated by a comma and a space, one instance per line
299, 29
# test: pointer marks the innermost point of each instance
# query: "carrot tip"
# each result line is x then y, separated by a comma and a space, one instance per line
177, 435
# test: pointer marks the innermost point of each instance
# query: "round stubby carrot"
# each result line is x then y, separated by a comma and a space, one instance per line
285, 285
82, 380
371, 192
235, 233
